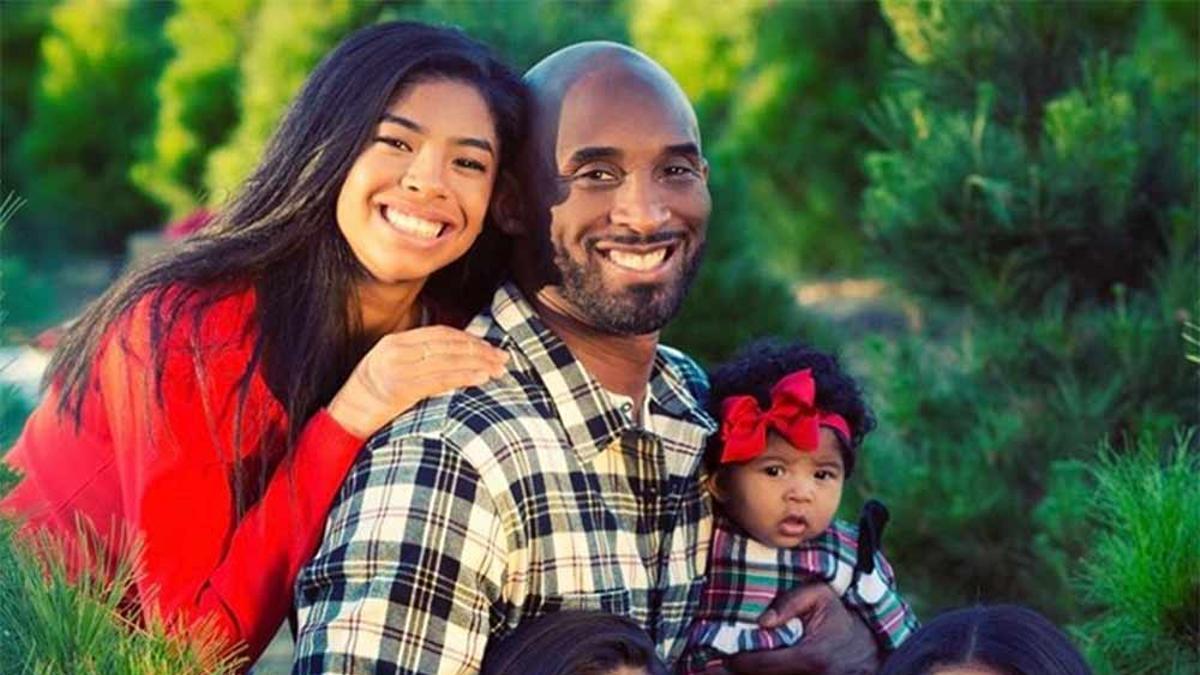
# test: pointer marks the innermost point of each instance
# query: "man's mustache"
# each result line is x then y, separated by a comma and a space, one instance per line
661, 237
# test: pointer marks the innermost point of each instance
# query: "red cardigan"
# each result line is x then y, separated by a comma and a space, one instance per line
165, 473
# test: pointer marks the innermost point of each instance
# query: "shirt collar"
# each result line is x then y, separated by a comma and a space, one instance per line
588, 415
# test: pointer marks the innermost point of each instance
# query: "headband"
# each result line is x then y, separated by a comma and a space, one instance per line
793, 413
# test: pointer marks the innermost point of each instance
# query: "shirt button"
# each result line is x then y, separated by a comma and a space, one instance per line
627, 408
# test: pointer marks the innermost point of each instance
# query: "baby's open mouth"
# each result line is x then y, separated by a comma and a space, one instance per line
793, 526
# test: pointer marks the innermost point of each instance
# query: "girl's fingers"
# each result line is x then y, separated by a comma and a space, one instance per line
456, 361
455, 345
443, 381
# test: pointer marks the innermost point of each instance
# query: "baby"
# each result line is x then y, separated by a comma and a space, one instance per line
791, 424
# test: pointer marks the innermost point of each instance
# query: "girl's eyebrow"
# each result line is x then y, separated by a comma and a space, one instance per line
481, 143
404, 122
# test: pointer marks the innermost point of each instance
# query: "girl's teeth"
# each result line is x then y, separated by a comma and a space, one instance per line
418, 227
638, 261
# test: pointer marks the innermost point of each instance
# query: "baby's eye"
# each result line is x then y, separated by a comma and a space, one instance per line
394, 142
825, 474
773, 471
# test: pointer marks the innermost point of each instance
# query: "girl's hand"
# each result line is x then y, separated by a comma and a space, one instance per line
405, 368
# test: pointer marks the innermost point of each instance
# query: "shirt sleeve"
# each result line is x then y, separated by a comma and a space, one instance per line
199, 560
878, 601
410, 569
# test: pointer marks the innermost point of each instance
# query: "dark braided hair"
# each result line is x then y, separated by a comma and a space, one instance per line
756, 368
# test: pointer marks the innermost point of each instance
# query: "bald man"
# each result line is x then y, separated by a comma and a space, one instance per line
572, 481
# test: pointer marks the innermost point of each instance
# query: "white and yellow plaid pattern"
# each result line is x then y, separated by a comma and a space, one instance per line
532, 493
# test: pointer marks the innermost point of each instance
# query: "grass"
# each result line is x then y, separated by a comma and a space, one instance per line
61, 612
1143, 572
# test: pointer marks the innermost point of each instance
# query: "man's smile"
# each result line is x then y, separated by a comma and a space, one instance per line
651, 258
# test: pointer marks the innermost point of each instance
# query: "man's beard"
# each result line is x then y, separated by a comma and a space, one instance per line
634, 310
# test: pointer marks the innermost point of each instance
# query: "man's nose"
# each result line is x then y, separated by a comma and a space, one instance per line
640, 205
425, 174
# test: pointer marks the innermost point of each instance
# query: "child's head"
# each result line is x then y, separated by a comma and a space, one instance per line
995, 640
791, 424
574, 642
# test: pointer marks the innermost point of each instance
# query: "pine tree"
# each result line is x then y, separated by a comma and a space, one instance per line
289, 39
93, 104
1036, 184
197, 96
1028, 150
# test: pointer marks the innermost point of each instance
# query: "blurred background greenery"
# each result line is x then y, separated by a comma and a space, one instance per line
989, 208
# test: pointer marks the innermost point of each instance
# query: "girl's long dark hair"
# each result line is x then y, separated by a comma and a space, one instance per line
1011, 639
279, 235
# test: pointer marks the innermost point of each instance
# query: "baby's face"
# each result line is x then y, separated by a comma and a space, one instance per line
784, 496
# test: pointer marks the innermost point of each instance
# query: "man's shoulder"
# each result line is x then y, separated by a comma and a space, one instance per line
687, 370
500, 410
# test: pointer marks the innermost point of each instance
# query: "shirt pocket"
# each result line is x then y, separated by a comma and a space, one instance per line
616, 601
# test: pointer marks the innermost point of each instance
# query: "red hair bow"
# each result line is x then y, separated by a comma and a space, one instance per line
793, 413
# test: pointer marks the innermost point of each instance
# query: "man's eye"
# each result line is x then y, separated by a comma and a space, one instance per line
394, 142
679, 171
596, 173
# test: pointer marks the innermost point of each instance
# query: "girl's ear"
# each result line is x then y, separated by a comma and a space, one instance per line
713, 485
506, 209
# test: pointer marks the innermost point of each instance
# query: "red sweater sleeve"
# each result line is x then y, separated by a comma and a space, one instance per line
175, 469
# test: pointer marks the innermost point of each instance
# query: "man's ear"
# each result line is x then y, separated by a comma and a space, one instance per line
507, 209
713, 485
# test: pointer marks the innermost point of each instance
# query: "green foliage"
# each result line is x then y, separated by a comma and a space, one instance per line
29, 296
22, 25
782, 183
980, 423
1028, 51
94, 100
60, 613
1037, 184
520, 32
13, 406
1013, 170
706, 46
14, 410
196, 99
946, 457
289, 39
734, 299
1143, 572
780, 93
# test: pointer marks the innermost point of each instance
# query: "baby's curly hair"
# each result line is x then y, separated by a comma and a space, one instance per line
758, 366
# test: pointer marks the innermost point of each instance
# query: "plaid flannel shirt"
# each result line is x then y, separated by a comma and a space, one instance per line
533, 493
744, 576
